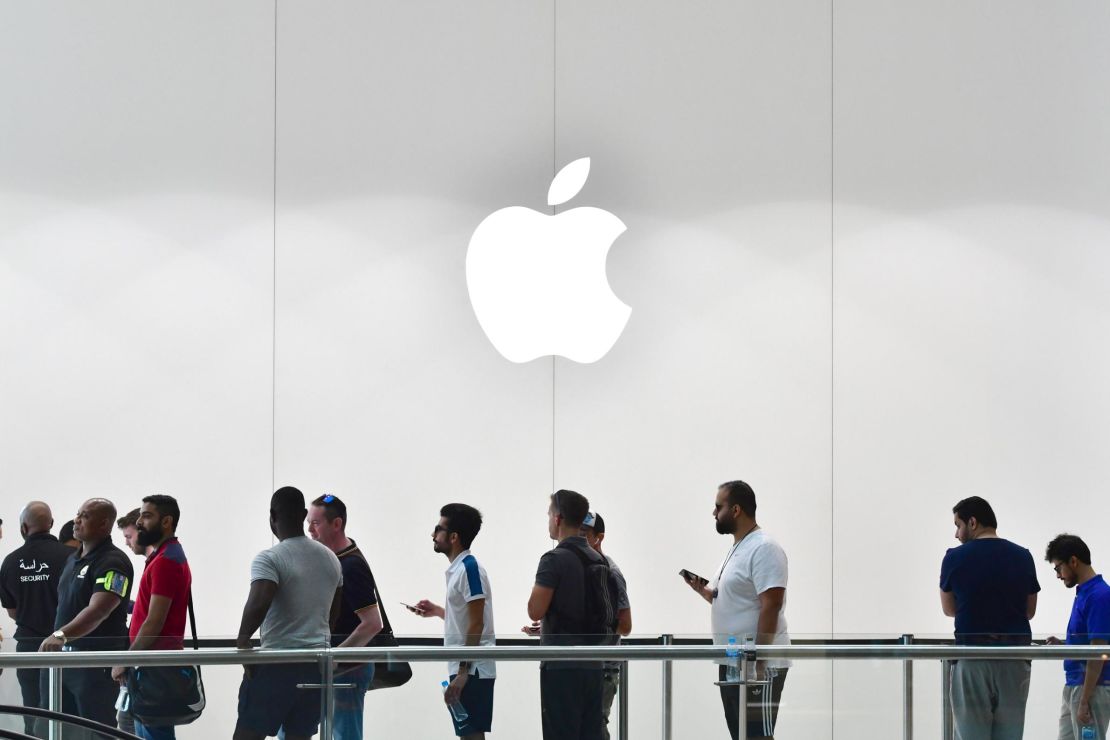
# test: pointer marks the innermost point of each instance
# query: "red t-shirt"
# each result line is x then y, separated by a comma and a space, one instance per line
166, 574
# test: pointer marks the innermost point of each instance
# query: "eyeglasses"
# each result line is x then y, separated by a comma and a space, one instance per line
439, 529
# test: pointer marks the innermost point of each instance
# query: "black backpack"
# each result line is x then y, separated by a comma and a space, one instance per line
600, 623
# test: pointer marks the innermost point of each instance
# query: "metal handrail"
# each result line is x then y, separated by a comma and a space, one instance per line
424, 653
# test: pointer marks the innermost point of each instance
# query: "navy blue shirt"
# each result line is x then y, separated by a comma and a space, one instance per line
1090, 620
991, 579
359, 592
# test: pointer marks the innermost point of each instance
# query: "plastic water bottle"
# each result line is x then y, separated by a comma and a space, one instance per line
458, 711
732, 669
1088, 733
749, 650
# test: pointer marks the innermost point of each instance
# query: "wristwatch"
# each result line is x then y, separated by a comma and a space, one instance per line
60, 635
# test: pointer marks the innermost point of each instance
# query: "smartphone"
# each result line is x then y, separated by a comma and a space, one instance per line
691, 576
412, 608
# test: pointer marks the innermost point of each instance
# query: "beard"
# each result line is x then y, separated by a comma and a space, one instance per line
727, 527
147, 537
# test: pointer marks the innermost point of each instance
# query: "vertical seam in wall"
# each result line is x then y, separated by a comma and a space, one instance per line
832, 354
554, 165
273, 316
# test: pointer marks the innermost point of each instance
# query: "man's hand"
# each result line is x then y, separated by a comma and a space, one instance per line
532, 630
454, 689
1053, 641
51, 645
700, 587
119, 674
425, 608
1083, 713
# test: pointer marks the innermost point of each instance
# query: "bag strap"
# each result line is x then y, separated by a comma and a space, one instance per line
387, 627
193, 621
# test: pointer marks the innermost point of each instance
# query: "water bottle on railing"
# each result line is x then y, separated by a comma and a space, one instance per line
458, 711
732, 669
749, 650
1088, 733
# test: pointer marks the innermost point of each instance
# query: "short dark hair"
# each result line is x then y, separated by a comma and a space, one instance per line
1067, 546
333, 508
65, 534
287, 505
975, 506
599, 524
570, 505
463, 520
740, 494
165, 506
130, 519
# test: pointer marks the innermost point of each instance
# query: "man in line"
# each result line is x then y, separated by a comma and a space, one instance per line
29, 580
990, 586
92, 613
571, 604
359, 619
294, 595
127, 525
593, 529
65, 536
468, 618
161, 606
1086, 700
747, 597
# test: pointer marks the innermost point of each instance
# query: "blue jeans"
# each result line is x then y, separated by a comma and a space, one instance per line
154, 733
349, 704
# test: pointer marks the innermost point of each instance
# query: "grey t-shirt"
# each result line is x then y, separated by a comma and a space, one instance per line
306, 574
622, 603
561, 570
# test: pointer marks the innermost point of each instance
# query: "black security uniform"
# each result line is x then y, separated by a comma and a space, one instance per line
91, 692
29, 580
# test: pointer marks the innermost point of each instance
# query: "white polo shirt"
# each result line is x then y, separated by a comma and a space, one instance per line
753, 565
467, 581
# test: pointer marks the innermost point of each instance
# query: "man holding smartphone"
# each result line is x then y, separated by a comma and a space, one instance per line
468, 617
747, 597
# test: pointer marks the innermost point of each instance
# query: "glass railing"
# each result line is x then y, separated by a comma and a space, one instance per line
667, 686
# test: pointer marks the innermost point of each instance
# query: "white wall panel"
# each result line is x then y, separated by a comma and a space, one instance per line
711, 144
972, 232
136, 272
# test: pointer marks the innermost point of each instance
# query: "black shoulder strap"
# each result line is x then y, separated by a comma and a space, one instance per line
193, 621
387, 628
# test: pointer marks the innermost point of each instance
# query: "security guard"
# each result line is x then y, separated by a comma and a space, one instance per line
94, 584
29, 591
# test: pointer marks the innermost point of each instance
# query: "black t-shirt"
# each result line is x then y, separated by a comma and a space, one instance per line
29, 581
106, 568
359, 592
991, 580
561, 570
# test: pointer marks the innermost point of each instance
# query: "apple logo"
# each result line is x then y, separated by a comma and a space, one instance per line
537, 282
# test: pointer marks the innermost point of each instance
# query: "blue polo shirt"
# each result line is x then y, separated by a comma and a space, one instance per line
991, 579
1090, 620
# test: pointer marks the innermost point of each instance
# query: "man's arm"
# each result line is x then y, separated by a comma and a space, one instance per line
624, 622
1090, 683
770, 605
369, 624
151, 628
88, 619
1031, 606
539, 602
259, 599
475, 625
948, 603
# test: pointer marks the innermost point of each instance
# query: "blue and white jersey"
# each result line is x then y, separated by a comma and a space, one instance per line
466, 582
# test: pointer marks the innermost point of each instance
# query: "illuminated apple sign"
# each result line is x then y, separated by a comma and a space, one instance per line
537, 282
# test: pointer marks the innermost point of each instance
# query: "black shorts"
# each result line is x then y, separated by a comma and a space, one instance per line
762, 702
477, 700
269, 699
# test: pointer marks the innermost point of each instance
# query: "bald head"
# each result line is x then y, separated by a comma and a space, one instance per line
94, 521
35, 518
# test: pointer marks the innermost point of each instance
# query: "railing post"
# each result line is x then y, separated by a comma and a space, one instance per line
668, 681
947, 729
907, 693
327, 716
54, 701
622, 698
